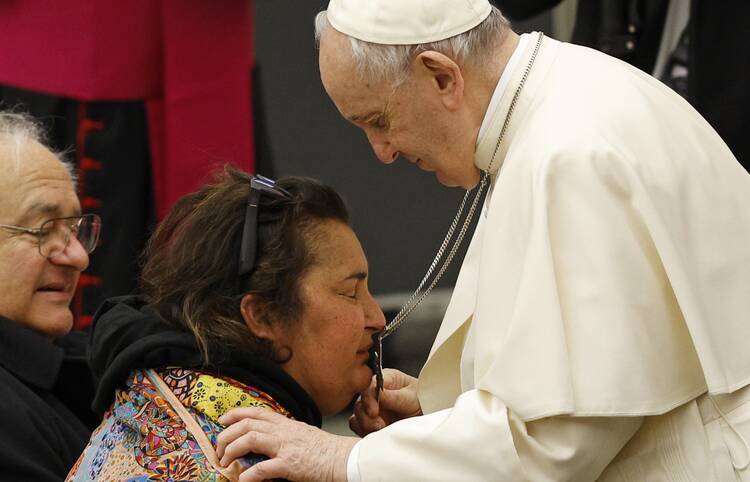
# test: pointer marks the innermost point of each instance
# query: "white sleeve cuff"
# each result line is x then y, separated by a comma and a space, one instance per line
352, 465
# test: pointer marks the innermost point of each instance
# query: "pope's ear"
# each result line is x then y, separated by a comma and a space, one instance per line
444, 76
250, 306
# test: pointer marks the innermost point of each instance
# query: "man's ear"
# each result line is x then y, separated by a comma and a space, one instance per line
250, 307
444, 76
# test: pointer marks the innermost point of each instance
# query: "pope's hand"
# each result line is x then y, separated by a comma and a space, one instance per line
397, 401
296, 451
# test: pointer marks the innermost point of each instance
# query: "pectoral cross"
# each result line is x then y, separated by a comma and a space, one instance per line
376, 362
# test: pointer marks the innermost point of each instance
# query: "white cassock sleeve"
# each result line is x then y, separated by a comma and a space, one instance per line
480, 439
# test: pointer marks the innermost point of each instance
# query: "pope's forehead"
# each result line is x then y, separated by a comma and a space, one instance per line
335, 56
352, 94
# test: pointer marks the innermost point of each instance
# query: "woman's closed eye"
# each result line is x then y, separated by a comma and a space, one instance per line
350, 287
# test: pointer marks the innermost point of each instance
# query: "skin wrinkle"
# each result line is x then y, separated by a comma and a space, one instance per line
433, 116
43, 181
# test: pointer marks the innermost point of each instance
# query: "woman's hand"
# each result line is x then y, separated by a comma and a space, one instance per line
398, 401
297, 451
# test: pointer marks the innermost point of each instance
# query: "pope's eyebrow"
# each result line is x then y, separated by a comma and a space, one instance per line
359, 275
364, 117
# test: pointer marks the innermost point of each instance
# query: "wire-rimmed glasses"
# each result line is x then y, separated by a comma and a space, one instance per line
54, 235
258, 185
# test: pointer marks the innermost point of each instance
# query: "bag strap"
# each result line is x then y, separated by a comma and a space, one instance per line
233, 471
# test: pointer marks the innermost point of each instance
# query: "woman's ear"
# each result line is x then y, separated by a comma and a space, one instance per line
249, 307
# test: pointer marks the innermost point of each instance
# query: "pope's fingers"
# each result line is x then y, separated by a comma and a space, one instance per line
363, 425
369, 402
354, 425
394, 379
236, 430
250, 442
357, 411
262, 471
236, 414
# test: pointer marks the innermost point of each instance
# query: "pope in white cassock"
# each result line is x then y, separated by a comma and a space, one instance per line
600, 325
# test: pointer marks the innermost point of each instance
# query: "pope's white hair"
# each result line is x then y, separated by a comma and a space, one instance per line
17, 132
378, 62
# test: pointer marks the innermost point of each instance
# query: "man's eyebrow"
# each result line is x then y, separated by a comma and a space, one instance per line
359, 275
364, 117
43, 208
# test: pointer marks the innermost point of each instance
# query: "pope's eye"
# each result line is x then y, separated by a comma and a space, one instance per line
378, 122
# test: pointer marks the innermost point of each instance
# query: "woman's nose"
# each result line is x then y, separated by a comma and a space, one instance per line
374, 316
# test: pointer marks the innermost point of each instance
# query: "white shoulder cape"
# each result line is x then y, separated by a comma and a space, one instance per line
610, 274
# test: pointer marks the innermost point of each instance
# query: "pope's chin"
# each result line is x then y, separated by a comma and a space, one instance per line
451, 181
466, 181
445, 180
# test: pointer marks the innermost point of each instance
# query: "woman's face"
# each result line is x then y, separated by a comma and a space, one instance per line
330, 341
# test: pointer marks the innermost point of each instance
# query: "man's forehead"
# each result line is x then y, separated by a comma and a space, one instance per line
45, 200
337, 67
356, 99
38, 185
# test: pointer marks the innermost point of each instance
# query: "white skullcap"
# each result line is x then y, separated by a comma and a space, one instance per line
406, 22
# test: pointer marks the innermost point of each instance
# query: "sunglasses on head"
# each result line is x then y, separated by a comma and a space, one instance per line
259, 185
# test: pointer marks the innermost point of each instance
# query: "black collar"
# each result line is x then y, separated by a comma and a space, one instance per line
127, 335
28, 355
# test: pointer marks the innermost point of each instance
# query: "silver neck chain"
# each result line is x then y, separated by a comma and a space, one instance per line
419, 295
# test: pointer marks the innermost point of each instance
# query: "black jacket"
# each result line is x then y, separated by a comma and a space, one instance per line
719, 64
40, 438
126, 335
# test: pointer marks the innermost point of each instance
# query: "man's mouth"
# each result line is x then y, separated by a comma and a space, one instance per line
55, 288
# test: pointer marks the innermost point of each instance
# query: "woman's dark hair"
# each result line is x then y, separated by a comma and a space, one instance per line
190, 265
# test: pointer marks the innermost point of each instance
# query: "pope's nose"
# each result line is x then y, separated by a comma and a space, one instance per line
385, 152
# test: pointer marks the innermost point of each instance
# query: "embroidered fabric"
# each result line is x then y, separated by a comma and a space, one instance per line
151, 432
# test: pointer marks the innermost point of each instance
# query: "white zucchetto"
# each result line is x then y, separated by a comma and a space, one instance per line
406, 22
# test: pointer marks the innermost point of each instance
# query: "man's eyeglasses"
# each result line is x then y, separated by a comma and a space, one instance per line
258, 185
54, 235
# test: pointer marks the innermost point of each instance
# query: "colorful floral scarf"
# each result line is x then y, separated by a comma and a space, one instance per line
142, 438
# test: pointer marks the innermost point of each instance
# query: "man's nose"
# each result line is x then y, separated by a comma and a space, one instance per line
383, 149
74, 255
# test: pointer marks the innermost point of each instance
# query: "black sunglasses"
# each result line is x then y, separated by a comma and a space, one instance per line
258, 185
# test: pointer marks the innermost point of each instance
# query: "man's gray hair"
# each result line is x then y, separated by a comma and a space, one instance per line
17, 131
391, 63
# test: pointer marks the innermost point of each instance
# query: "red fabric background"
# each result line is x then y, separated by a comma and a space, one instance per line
190, 60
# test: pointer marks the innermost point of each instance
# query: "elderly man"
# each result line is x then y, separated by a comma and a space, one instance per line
44, 246
599, 325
